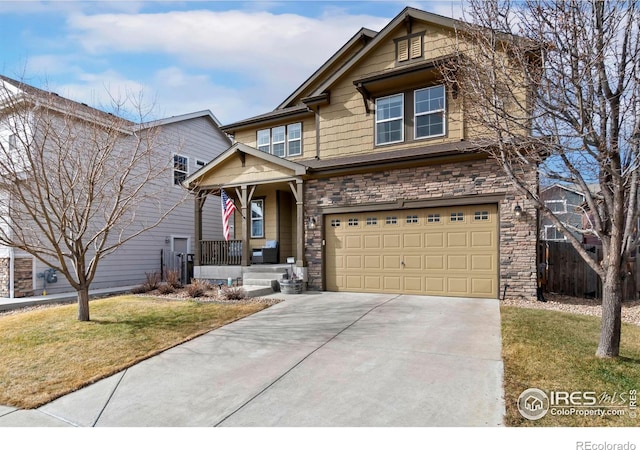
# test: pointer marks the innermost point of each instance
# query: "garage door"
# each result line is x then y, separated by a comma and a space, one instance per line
450, 251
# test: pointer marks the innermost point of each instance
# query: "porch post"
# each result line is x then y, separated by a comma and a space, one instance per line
198, 204
245, 206
298, 193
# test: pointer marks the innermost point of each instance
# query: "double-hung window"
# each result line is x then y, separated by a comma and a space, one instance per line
294, 139
284, 140
429, 107
390, 119
180, 169
257, 218
264, 141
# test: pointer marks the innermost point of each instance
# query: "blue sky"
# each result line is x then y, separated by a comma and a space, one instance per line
237, 59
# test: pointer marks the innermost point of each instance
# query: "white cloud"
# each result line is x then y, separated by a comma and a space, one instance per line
271, 53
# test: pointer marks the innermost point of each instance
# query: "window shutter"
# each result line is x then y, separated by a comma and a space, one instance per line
416, 47
403, 50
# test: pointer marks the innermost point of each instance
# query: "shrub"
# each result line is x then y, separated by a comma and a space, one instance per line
166, 289
197, 288
232, 293
153, 280
173, 278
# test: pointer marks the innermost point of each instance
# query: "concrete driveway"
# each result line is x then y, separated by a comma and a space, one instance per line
317, 359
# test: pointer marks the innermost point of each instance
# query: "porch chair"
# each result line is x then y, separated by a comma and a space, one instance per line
267, 254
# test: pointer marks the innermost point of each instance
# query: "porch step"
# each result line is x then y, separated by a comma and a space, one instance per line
263, 276
267, 268
258, 291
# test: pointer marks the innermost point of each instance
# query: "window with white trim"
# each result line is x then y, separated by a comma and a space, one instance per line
429, 107
264, 140
278, 141
551, 233
257, 218
283, 140
180, 169
294, 139
390, 119
557, 206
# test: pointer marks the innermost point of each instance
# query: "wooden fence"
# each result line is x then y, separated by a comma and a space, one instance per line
563, 271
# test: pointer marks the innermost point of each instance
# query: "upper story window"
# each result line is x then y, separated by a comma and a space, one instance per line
409, 47
429, 106
284, 140
557, 206
390, 119
423, 112
180, 169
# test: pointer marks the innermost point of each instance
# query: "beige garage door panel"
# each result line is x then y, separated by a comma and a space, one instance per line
437, 251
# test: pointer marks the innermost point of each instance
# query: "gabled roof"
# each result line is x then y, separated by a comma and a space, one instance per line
368, 40
407, 14
238, 147
86, 112
194, 115
64, 105
273, 115
594, 188
207, 114
364, 35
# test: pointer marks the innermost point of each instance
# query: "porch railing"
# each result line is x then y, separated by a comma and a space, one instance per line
220, 253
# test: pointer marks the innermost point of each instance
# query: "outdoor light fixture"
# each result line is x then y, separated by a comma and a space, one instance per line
517, 211
312, 222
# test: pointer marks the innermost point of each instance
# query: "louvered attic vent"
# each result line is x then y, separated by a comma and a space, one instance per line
409, 47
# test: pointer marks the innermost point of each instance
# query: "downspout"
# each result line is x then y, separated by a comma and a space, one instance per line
11, 274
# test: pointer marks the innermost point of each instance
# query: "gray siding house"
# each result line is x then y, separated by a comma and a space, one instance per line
191, 141
566, 202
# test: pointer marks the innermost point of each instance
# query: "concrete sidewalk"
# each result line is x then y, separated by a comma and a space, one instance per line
317, 359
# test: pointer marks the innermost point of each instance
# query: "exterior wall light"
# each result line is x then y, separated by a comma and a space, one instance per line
312, 223
517, 212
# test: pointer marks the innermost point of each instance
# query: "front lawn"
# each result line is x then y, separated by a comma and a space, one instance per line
555, 351
46, 353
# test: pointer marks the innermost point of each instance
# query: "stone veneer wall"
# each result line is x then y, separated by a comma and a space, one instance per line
23, 277
479, 177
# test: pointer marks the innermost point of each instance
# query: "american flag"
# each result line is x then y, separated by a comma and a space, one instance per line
227, 210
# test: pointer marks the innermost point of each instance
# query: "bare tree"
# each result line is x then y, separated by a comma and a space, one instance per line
555, 85
74, 181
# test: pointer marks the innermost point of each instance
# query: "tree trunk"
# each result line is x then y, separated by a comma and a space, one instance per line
83, 304
609, 345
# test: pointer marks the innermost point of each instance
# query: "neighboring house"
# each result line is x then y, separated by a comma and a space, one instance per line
569, 205
566, 203
191, 141
366, 179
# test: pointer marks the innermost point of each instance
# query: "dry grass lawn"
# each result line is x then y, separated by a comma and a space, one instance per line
555, 351
46, 353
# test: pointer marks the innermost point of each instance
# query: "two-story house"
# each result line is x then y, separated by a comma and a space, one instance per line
368, 178
187, 141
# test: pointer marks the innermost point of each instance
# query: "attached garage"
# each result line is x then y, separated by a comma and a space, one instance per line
446, 251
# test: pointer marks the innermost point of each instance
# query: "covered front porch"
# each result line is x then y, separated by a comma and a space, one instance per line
268, 224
